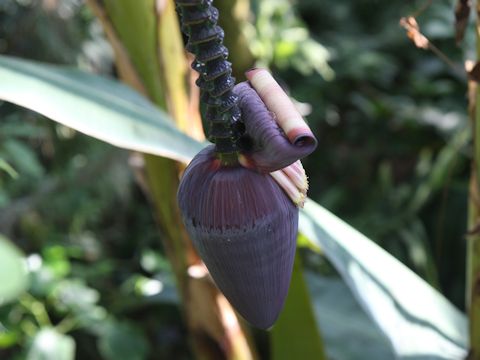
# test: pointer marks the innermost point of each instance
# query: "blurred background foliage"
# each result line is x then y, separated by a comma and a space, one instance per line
393, 161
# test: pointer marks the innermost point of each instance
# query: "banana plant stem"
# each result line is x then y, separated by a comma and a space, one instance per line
473, 239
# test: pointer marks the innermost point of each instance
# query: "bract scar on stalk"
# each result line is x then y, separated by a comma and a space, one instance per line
239, 198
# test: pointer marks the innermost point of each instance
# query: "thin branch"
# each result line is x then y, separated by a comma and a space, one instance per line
422, 9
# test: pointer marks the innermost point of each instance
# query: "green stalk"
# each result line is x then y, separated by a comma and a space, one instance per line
150, 57
234, 15
296, 334
222, 109
473, 240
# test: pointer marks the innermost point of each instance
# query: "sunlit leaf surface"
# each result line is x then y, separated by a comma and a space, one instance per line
417, 319
340, 317
13, 272
49, 344
93, 105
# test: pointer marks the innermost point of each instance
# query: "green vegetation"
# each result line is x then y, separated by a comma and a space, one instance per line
96, 266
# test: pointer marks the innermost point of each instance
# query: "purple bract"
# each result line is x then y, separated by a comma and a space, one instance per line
270, 149
244, 227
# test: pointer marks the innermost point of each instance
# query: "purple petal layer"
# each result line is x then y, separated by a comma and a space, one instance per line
270, 148
244, 228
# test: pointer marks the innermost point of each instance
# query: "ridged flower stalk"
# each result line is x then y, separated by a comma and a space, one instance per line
205, 40
243, 220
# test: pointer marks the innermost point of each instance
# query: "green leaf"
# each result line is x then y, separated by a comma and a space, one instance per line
8, 338
8, 169
96, 106
13, 272
416, 318
74, 295
49, 344
340, 317
23, 158
122, 341
13, 126
56, 260
295, 335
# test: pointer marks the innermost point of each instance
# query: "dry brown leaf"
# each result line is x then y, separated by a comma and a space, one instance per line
462, 13
413, 32
473, 70
472, 86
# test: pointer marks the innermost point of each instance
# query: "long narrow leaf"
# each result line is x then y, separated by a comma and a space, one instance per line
93, 105
416, 318
340, 317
